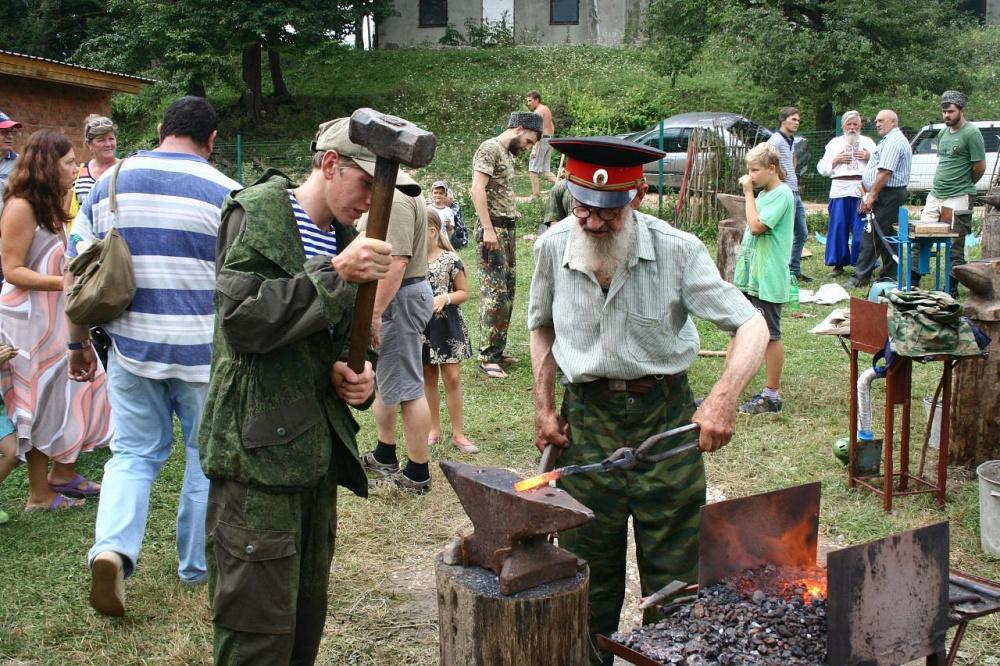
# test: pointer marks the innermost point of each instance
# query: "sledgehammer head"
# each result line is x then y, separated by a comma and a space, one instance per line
392, 138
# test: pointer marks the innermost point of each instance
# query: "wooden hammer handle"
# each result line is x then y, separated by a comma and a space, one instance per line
383, 187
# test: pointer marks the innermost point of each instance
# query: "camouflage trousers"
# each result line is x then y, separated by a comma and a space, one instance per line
269, 557
663, 500
497, 279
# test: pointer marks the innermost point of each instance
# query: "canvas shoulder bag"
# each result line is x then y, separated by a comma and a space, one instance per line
104, 280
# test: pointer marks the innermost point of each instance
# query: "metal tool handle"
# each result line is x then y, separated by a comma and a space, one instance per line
627, 458
650, 441
550, 456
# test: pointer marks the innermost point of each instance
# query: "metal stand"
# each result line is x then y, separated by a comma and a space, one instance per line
868, 335
910, 240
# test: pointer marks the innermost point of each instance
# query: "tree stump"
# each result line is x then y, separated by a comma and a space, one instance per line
480, 626
975, 415
991, 231
730, 236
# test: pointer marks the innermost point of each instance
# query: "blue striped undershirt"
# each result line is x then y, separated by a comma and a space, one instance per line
314, 241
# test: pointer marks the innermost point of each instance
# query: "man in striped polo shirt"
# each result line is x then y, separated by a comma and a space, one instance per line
610, 307
883, 185
168, 214
784, 140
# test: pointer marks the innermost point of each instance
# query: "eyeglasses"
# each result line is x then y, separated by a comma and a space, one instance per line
9, 133
582, 212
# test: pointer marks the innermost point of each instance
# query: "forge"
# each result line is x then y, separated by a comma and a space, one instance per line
762, 598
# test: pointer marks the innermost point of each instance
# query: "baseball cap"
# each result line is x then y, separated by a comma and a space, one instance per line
604, 171
439, 183
6, 122
333, 135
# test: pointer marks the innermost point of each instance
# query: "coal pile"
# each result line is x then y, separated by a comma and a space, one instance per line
733, 628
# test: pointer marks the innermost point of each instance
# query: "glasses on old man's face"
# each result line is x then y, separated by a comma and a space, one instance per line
582, 212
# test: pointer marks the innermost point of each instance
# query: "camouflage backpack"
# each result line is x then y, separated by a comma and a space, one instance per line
922, 323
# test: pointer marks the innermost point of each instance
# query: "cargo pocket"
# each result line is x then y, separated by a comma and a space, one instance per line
282, 425
253, 592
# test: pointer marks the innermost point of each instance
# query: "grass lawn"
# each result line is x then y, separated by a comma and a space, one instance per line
382, 601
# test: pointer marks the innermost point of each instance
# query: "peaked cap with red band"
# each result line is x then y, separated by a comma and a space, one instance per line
604, 171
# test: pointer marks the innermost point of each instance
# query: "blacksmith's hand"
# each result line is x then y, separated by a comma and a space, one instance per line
716, 417
490, 240
363, 260
353, 388
82, 365
550, 428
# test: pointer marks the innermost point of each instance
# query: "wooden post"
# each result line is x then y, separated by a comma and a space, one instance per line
479, 626
975, 427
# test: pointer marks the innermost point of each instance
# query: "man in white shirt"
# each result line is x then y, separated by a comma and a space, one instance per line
843, 162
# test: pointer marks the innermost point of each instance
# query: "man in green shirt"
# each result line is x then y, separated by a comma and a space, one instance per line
961, 162
610, 307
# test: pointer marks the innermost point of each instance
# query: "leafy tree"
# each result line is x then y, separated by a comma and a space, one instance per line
822, 53
48, 28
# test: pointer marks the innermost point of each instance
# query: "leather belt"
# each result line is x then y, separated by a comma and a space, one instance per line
412, 280
847, 178
638, 386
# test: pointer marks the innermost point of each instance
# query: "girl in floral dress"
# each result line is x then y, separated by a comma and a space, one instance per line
446, 339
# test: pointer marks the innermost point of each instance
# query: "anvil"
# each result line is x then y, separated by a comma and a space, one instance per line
511, 528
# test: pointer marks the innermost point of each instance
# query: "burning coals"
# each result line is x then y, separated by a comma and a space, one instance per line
734, 625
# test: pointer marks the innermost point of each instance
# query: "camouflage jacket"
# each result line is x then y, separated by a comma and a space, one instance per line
272, 418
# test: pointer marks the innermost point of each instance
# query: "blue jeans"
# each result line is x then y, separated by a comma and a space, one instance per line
142, 412
799, 237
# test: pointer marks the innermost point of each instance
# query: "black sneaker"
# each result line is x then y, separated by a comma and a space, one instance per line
836, 272
401, 482
803, 278
373, 465
761, 404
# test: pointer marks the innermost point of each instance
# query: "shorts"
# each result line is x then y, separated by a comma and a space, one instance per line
541, 158
399, 376
932, 209
6, 426
772, 315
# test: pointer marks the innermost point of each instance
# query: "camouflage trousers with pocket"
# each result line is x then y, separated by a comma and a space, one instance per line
663, 500
269, 557
497, 280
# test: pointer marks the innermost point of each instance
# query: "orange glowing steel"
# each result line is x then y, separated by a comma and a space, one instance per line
533, 482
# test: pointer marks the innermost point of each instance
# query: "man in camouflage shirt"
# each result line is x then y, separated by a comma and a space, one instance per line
610, 307
493, 198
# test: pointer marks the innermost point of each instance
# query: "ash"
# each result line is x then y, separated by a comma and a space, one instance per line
725, 626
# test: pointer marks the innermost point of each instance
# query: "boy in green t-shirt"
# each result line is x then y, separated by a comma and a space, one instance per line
761, 271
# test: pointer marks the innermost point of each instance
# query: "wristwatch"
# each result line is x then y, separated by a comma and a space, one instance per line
76, 346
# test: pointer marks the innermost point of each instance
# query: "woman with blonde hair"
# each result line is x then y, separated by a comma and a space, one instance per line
54, 418
100, 138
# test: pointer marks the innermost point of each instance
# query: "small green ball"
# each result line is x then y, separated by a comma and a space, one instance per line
841, 449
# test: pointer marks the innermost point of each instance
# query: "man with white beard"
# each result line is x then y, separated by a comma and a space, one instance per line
843, 163
609, 306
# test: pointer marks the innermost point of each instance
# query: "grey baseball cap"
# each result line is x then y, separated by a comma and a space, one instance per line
333, 135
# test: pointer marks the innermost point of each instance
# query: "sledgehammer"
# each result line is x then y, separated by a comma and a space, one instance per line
394, 141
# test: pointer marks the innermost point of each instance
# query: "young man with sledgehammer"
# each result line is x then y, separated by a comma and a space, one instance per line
278, 437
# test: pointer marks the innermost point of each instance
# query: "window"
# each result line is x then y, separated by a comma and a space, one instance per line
564, 12
675, 139
433, 13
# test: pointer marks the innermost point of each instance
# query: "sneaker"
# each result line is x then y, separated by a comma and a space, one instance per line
803, 278
380, 468
107, 584
401, 482
761, 404
836, 272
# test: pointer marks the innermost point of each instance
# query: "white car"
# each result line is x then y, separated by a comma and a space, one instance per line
925, 158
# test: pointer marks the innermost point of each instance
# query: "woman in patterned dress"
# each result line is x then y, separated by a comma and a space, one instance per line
446, 339
55, 418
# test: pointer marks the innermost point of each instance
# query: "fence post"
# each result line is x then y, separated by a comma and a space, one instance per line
239, 158
659, 188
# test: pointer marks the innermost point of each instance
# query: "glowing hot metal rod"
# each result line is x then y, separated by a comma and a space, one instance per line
623, 458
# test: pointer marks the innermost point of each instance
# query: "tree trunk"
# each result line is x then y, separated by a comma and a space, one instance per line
479, 626
359, 32
253, 95
991, 229
975, 415
197, 88
824, 117
277, 76
730, 235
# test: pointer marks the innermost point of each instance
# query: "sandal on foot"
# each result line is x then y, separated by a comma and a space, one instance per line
432, 440
466, 447
59, 503
492, 370
507, 359
79, 486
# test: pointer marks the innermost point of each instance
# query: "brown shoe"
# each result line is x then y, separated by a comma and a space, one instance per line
107, 584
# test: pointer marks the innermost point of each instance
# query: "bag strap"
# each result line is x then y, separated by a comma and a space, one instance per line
112, 199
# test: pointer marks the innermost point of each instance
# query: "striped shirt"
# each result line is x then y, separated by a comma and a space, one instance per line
168, 214
84, 183
893, 153
643, 325
785, 151
315, 242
